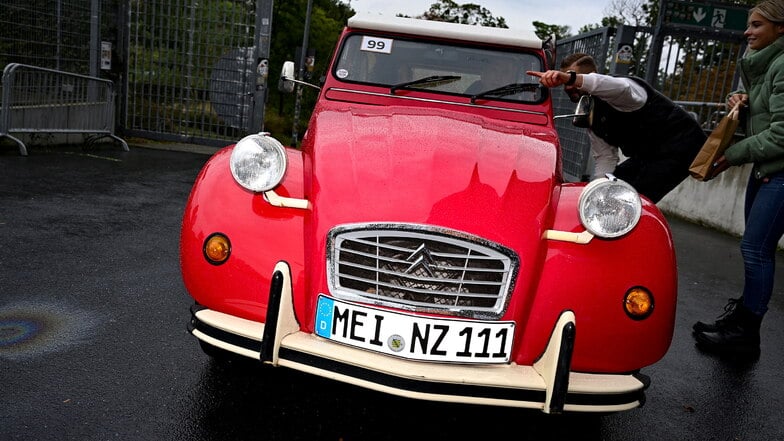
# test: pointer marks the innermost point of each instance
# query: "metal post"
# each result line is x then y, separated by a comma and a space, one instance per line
95, 48
95, 37
188, 93
623, 57
301, 74
124, 28
263, 34
654, 58
59, 13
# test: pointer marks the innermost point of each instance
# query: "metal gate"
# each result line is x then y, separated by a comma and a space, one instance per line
53, 34
191, 71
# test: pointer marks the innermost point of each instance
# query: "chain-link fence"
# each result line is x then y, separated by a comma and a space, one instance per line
57, 34
45, 33
191, 71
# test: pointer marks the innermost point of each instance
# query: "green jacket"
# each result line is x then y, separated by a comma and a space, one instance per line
762, 73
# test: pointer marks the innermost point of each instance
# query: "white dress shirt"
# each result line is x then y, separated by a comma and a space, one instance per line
623, 94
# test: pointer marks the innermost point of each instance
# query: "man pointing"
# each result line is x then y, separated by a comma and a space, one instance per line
659, 138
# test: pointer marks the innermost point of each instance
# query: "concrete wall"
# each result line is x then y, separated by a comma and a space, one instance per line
717, 203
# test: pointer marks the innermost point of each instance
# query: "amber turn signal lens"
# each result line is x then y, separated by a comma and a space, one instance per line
638, 303
217, 248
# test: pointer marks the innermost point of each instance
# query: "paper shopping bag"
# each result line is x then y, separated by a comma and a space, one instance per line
702, 168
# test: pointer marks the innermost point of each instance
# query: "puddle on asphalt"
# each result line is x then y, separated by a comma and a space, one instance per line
31, 329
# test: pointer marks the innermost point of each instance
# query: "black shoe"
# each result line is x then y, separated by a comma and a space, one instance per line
727, 316
739, 335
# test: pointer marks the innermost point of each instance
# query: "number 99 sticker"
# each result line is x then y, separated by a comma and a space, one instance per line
375, 44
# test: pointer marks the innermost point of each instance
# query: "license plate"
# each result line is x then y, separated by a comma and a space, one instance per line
412, 336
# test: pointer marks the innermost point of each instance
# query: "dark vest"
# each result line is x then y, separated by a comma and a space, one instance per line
660, 127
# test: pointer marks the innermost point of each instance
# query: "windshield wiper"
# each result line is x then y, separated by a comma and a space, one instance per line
509, 89
431, 81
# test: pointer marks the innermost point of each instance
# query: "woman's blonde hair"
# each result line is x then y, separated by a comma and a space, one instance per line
772, 10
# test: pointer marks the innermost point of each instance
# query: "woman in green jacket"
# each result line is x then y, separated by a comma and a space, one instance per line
762, 73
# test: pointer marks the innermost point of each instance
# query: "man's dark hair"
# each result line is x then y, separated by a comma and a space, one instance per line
585, 62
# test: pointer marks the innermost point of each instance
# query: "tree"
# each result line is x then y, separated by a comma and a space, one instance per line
629, 12
626, 12
607, 22
328, 17
544, 30
468, 13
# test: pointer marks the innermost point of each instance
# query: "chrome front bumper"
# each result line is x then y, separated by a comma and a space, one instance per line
548, 385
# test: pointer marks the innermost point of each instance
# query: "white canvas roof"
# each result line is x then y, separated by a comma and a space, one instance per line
429, 28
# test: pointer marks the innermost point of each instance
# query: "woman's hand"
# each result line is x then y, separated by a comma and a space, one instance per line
719, 166
736, 98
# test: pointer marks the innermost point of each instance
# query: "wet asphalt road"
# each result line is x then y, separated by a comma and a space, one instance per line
93, 341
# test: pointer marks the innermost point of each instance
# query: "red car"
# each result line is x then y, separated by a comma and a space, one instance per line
423, 242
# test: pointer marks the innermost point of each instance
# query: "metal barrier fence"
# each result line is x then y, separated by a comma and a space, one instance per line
38, 100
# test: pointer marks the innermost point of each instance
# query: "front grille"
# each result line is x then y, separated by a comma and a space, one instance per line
419, 268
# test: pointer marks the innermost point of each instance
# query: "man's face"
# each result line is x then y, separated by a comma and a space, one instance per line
572, 91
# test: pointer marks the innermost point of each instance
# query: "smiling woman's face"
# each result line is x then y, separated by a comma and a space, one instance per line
761, 32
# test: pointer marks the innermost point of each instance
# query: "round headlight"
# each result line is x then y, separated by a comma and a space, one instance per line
258, 162
609, 208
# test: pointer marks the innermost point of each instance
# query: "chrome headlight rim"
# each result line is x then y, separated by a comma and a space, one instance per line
609, 208
258, 162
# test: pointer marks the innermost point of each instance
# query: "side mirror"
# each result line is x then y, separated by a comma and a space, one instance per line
285, 84
583, 112
287, 81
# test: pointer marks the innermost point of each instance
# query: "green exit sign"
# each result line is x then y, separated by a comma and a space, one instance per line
706, 15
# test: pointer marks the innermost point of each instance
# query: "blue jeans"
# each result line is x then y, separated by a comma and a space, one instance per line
764, 211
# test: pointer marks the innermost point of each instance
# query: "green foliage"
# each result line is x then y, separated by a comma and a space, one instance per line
158, 54
468, 13
626, 12
544, 30
652, 10
278, 126
611, 21
34, 32
328, 17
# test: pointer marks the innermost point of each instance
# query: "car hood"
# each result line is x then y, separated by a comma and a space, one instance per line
451, 169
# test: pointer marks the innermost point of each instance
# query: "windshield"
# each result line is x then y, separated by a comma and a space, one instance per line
478, 72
